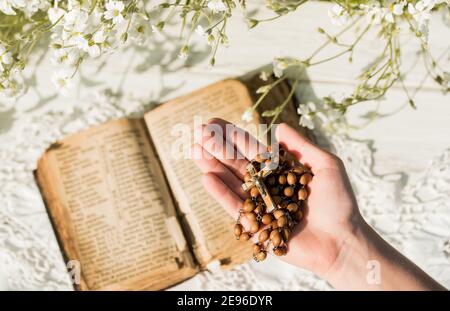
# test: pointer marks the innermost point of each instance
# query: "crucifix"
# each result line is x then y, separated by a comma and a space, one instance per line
257, 180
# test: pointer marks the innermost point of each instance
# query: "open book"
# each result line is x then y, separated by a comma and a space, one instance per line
130, 213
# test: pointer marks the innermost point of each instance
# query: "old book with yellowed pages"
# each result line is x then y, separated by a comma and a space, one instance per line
131, 213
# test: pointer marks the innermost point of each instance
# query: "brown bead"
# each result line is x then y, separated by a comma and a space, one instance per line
278, 213
254, 227
254, 192
289, 191
292, 207
276, 199
264, 235
302, 194
271, 180
274, 190
282, 179
259, 158
266, 219
274, 224
282, 221
247, 177
245, 236
298, 215
279, 251
251, 216
256, 249
285, 234
291, 179
261, 256
238, 230
276, 238
248, 206
298, 170
259, 209
305, 178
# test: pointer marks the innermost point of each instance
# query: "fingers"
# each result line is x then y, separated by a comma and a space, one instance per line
243, 141
211, 138
229, 200
208, 164
301, 147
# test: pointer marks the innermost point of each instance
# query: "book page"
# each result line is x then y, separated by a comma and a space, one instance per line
112, 211
211, 227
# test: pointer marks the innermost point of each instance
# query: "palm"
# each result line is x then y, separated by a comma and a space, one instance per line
313, 243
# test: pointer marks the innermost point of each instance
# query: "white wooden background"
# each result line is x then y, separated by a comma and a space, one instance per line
403, 142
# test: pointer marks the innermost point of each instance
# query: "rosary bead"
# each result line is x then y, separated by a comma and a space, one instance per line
261, 256
245, 236
271, 180
264, 235
274, 190
292, 207
282, 179
259, 209
276, 238
302, 194
298, 170
298, 215
238, 230
291, 179
289, 191
278, 213
305, 178
282, 221
279, 251
256, 249
251, 216
248, 206
254, 192
266, 219
254, 227
274, 224
276, 199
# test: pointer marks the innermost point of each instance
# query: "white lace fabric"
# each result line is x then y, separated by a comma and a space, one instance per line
414, 215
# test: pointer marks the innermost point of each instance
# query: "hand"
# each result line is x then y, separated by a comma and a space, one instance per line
331, 210
332, 240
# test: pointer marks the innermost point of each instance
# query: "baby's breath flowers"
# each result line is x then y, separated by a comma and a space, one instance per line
388, 18
82, 29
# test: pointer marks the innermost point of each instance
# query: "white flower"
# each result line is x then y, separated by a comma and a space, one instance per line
114, 11
247, 116
217, 6
63, 82
264, 75
279, 65
421, 13
397, 9
54, 14
5, 57
139, 29
68, 57
6, 7
200, 31
307, 112
184, 52
339, 16
76, 20
99, 36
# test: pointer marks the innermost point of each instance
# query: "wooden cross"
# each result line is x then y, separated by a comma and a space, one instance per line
258, 182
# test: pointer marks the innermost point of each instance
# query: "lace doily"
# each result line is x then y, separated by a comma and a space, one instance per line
412, 213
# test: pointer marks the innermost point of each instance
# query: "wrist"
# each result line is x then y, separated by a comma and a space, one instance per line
351, 268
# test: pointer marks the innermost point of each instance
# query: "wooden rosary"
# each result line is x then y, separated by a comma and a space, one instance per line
277, 186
